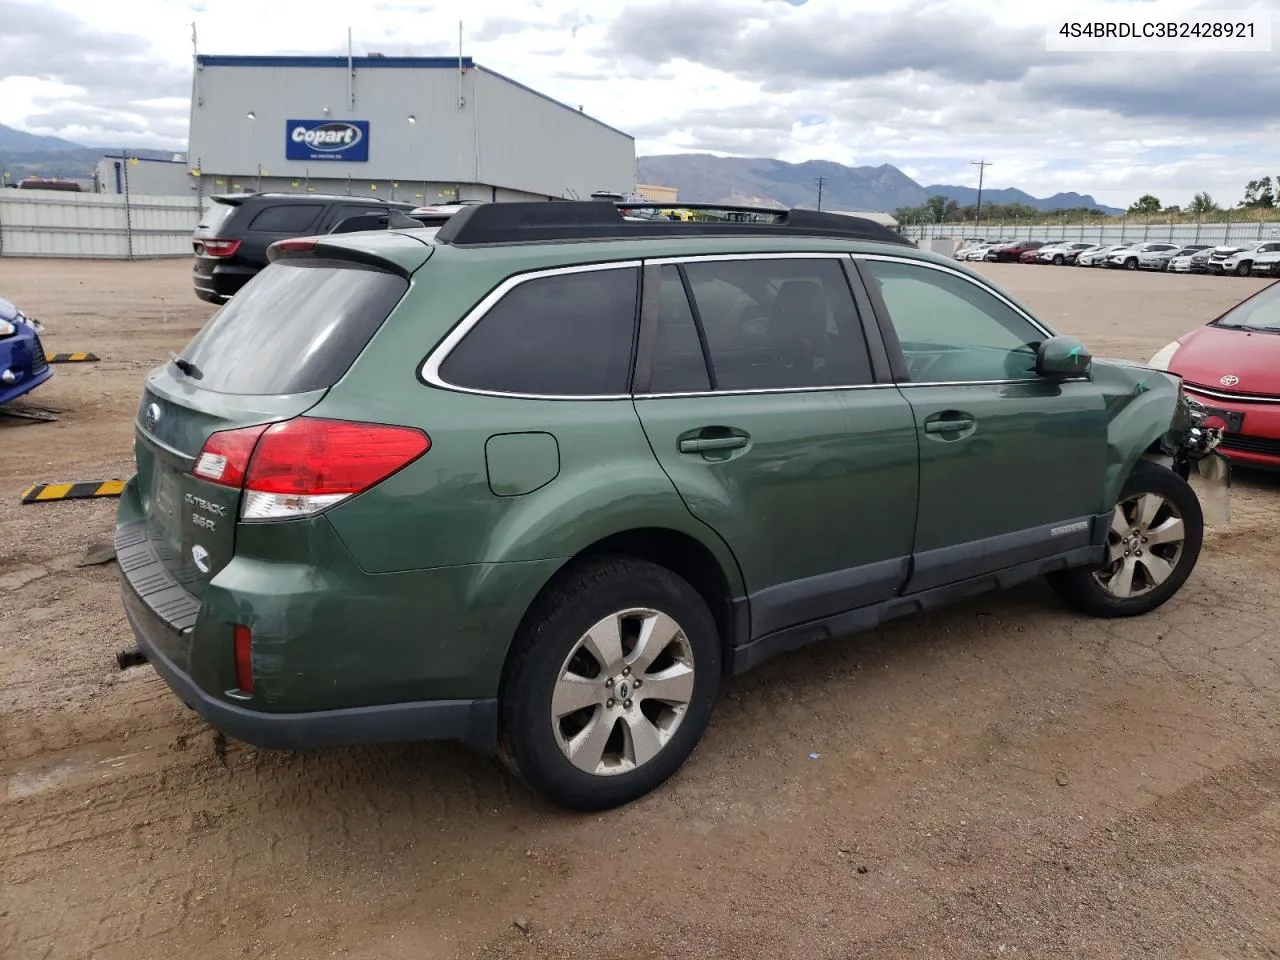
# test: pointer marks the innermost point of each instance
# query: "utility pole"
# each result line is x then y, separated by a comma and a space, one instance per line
982, 168
820, 181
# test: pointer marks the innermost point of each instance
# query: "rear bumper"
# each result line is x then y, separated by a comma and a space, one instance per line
217, 282
163, 616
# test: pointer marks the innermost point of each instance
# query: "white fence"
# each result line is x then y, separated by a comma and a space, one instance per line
1124, 230
52, 223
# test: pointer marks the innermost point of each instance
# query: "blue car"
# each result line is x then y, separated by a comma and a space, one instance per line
23, 366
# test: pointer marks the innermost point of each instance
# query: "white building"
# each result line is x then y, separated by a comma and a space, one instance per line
425, 128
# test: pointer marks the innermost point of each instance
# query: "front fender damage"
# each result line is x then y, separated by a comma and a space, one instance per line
1151, 417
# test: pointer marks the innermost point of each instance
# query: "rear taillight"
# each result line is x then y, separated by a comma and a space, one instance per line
294, 245
220, 248
243, 641
302, 466
225, 457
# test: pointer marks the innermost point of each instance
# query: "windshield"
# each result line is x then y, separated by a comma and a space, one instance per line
1259, 312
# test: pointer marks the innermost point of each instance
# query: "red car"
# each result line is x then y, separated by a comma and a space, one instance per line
1029, 256
1232, 365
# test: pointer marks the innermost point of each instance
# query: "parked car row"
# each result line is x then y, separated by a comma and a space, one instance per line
1257, 258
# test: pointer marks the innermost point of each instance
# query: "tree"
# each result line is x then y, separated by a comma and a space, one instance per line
1202, 203
1146, 204
1173, 210
1259, 194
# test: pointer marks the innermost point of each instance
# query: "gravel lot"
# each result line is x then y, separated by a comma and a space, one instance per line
1003, 779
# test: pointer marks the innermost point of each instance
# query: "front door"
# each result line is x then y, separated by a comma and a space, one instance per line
1011, 466
759, 403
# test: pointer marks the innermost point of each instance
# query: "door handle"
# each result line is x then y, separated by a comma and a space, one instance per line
949, 426
708, 444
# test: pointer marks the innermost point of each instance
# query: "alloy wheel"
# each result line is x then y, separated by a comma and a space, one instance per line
623, 691
1144, 546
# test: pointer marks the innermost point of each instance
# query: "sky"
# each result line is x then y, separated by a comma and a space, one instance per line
927, 85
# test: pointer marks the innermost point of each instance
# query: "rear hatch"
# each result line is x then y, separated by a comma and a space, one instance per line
267, 356
207, 242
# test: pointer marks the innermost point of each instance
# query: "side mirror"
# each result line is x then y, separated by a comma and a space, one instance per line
1062, 357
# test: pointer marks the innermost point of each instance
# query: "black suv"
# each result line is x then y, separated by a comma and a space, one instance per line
235, 230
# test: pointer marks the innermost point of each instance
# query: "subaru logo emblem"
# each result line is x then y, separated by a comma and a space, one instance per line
153, 415
1230, 380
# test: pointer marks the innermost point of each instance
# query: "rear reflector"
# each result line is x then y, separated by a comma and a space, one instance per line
244, 658
299, 467
220, 248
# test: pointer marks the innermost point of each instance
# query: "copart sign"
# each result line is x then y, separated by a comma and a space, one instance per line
327, 140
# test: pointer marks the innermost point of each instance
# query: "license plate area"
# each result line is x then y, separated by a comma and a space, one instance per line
1234, 419
166, 503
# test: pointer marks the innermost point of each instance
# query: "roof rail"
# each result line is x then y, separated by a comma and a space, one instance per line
543, 221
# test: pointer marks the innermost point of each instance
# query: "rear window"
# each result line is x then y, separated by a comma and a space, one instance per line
215, 214
296, 326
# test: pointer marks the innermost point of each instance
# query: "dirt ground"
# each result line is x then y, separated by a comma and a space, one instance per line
1003, 779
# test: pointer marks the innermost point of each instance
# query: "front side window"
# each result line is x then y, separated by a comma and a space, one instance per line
566, 334
778, 323
952, 330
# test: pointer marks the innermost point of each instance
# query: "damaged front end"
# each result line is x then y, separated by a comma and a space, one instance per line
1191, 443
1151, 417
1193, 435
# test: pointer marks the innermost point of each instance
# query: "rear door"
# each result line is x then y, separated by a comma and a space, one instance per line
1010, 465
756, 391
268, 355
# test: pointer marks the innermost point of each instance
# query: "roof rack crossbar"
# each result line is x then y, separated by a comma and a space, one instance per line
544, 221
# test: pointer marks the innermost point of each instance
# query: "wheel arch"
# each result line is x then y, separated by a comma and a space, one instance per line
711, 570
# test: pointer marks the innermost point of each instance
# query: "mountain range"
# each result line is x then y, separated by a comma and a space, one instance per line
754, 180
698, 176
29, 155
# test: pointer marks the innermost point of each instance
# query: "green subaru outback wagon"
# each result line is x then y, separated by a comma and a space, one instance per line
540, 478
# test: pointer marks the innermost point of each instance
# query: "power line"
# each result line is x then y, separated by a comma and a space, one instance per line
982, 168
820, 181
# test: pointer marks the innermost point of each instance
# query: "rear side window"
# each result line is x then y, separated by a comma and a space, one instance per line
562, 335
296, 326
286, 218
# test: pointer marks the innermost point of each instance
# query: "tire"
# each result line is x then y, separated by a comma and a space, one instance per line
1093, 590
1131, 263
1243, 268
554, 643
1059, 259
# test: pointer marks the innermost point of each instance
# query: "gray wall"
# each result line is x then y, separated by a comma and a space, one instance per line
153, 178
503, 135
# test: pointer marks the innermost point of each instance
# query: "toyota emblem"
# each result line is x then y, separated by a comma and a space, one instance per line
1230, 380
153, 415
